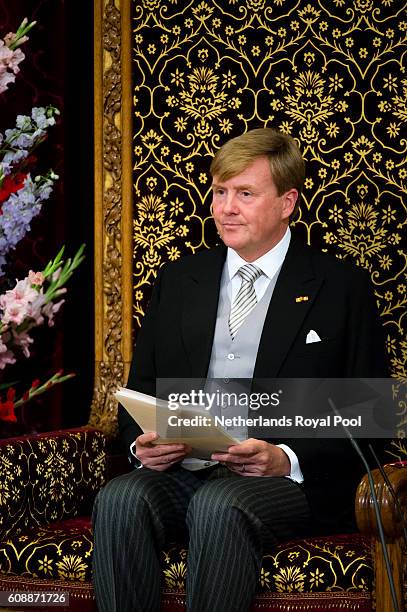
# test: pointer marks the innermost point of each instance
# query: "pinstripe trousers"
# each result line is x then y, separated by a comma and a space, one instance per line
228, 520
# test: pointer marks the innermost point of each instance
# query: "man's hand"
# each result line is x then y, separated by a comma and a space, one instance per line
255, 458
159, 457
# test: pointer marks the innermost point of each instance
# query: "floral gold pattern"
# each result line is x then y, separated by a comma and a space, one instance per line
61, 551
330, 74
47, 482
335, 564
48, 478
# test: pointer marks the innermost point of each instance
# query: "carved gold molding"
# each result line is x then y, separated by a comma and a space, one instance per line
113, 211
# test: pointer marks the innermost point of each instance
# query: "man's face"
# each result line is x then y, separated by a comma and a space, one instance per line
249, 215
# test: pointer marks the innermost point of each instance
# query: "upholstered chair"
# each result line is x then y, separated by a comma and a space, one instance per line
47, 486
48, 483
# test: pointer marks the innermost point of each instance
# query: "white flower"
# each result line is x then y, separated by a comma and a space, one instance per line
23, 340
6, 356
42, 118
50, 310
22, 121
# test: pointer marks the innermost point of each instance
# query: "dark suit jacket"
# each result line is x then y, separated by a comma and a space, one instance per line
178, 329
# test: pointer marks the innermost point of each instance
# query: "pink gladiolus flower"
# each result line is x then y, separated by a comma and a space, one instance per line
23, 340
5, 79
24, 292
9, 61
36, 278
16, 58
6, 359
11, 37
50, 310
5, 53
34, 309
6, 356
14, 312
27, 305
17, 303
56, 275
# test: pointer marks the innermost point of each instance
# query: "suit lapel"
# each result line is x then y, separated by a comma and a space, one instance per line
286, 312
201, 295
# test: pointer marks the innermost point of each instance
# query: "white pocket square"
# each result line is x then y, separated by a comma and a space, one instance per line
312, 336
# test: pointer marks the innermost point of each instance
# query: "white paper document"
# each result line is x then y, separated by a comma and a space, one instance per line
187, 424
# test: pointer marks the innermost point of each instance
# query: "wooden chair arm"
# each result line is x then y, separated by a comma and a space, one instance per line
364, 508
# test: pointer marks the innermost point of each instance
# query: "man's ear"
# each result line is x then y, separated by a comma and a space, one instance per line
289, 199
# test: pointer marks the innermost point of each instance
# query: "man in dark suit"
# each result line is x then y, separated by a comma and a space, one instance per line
260, 306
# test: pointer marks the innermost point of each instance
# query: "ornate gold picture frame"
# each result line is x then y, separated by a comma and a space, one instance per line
113, 208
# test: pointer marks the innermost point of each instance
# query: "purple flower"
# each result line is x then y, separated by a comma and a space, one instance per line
18, 212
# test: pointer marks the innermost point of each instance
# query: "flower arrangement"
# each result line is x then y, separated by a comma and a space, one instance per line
36, 299
30, 303
10, 54
21, 196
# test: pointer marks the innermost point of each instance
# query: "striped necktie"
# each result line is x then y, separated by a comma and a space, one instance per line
246, 298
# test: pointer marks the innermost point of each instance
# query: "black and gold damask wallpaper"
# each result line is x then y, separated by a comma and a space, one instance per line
330, 73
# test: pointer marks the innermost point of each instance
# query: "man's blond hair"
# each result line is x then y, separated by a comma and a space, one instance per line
286, 162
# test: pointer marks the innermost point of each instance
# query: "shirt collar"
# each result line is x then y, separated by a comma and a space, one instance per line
268, 263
